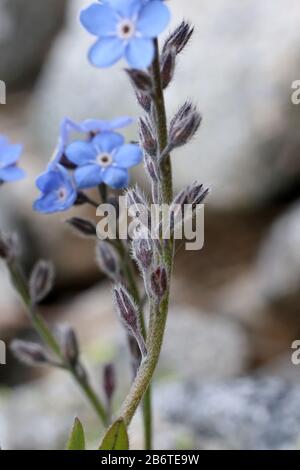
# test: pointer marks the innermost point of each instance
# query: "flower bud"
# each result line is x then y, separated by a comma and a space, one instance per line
144, 101
83, 226
108, 260
141, 81
159, 282
109, 381
31, 354
184, 126
9, 246
179, 38
128, 313
168, 66
151, 168
69, 344
148, 140
143, 252
41, 281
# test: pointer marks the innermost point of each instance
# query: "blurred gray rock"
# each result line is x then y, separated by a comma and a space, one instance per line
206, 345
278, 264
239, 69
26, 31
243, 414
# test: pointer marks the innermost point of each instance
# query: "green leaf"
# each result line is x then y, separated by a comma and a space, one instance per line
116, 437
77, 438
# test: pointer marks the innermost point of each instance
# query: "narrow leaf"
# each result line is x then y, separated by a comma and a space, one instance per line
77, 438
116, 437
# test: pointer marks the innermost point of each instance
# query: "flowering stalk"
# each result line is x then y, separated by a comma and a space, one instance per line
158, 311
50, 340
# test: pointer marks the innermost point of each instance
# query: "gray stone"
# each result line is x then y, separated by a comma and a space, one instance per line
239, 69
26, 31
243, 414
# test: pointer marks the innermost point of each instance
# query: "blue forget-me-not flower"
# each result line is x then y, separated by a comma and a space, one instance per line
104, 159
125, 28
9, 157
58, 190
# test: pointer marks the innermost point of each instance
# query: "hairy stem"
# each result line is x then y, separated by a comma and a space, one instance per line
49, 339
158, 312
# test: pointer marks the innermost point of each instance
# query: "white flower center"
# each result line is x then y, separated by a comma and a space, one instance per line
104, 159
126, 29
62, 193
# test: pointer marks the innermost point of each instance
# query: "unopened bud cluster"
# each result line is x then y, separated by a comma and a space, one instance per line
41, 281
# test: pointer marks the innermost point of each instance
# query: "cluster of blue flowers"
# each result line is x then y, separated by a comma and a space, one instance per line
101, 157
124, 28
9, 157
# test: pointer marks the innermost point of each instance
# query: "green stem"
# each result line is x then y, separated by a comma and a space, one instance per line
158, 312
146, 409
49, 339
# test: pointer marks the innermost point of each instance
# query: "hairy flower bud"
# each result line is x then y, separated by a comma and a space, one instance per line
69, 344
138, 206
83, 226
151, 168
147, 137
9, 246
168, 63
31, 354
143, 252
179, 38
41, 280
108, 260
184, 125
141, 80
109, 381
159, 282
128, 313
144, 101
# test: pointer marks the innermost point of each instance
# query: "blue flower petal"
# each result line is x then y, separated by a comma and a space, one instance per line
140, 53
100, 20
128, 155
153, 19
116, 178
10, 154
99, 125
126, 8
107, 142
80, 153
11, 173
106, 51
88, 176
47, 204
3, 141
48, 181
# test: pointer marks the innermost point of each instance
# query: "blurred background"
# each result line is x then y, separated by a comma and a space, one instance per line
225, 380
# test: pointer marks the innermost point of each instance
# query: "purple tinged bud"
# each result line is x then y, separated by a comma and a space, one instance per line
141, 81
83, 226
144, 101
41, 281
31, 354
108, 260
179, 38
69, 344
9, 247
184, 125
159, 282
151, 168
168, 63
143, 252
128, 313
109, 381
147, 137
